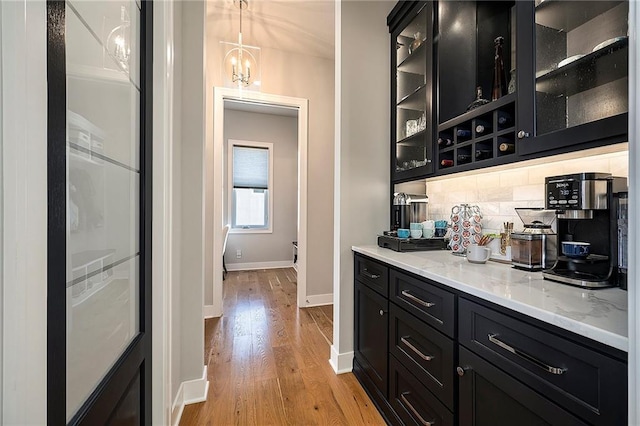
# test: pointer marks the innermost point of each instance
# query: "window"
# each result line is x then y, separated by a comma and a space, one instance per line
251, 194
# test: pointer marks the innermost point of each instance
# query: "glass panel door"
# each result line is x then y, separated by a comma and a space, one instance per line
103, 190
581, 62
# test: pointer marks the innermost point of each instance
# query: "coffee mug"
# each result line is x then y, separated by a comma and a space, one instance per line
416, 233
403, 233
415, 225
478, 254
440, 232
427, 232
575, 249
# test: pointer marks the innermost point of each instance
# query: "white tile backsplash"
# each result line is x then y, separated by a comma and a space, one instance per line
497, 191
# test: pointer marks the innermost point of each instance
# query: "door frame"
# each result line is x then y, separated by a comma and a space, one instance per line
220, 94
101, 403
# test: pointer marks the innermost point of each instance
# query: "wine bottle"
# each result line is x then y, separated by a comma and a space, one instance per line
479, 100
462, 133
446, 163
504, 119
444, 142
499, 87
482, 154
507, 147
464, 158
482, 127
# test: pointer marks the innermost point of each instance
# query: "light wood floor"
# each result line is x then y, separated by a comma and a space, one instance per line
268, 361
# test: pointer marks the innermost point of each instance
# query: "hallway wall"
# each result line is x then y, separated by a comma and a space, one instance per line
301, 76
282, 131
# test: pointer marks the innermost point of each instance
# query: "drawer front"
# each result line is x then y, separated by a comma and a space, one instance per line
427, 353
373, 274
412, 402
429, 303
587, 383
488, 396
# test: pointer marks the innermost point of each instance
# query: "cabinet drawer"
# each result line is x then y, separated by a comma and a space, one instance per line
429, 303
412, 402
488, 396
373, 274
427, 353
591, 385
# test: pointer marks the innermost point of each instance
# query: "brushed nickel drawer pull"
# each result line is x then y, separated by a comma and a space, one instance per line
414, 411
525, 356
415, 299
416, 350
369, 274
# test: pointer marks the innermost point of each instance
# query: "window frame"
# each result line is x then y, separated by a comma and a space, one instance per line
249, 144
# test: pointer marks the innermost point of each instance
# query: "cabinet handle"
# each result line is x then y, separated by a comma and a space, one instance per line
461, 370
414, 411
525, 356
416, 350
415, 299
382, 312
370, 275
522, 134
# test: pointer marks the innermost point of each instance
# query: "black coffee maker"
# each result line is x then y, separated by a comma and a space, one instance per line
401, 211
586, 208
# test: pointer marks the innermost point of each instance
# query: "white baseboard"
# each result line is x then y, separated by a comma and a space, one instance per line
259, 265
319, 300
189, 392
209, 311
341, 363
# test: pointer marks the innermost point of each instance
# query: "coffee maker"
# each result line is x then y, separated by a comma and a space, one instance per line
586, 209
408, 208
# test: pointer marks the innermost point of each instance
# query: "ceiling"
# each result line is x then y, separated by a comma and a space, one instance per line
259, 107
299, 26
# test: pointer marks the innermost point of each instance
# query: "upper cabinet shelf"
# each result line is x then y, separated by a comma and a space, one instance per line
567, 15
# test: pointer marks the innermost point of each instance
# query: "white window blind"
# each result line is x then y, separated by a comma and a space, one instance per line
250, 167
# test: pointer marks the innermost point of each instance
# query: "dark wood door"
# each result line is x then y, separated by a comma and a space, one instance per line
488, 396
99, 68
371, 332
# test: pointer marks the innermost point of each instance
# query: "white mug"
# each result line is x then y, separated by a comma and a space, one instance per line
478, 254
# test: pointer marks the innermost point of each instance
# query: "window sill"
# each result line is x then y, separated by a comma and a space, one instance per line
250, 231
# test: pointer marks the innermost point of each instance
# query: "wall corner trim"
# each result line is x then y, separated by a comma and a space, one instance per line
210, 311
189, 392
318, 300
341, 363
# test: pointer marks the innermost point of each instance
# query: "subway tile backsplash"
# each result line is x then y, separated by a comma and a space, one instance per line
497, 191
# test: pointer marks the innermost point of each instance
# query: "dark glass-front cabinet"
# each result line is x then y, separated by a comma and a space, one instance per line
504, 81
581, 74
412, 90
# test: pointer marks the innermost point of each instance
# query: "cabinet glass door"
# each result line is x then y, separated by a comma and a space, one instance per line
581, 62
413, 121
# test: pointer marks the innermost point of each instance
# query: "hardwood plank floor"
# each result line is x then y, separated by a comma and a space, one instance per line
268, 361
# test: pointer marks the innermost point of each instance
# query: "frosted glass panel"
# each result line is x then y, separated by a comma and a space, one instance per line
101, 321
103, 190
103, 102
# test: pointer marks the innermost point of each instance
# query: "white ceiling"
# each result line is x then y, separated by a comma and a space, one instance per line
299, 26
259, 108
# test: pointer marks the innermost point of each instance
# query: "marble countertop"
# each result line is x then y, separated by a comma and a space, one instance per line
600, 315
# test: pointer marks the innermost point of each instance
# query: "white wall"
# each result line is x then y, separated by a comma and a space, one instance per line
362, 151
191, 200
282, 131
24, 269
300, 76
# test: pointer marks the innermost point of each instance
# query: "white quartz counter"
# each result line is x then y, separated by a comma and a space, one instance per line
600, 315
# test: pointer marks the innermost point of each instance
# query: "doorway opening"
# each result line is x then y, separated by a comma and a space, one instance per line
224, 98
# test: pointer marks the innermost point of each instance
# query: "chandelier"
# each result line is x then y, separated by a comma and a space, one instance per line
239, 63
118, 44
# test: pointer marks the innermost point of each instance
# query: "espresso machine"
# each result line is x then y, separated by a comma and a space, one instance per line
586, 207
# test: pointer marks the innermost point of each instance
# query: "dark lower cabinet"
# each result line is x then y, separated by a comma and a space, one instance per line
411, 400
371, 335
488, 396
429, 355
